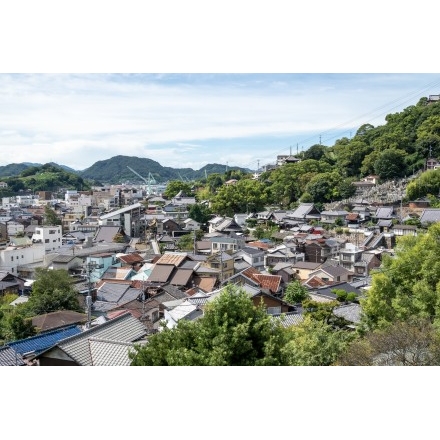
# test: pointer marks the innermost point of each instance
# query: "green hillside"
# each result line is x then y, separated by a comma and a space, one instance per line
115, 170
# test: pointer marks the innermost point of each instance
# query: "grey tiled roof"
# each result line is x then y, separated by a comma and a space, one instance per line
302, 210
10, 358
113, 292
430, 215
106, 352
351, 312
384, 212
290, 318
124, 328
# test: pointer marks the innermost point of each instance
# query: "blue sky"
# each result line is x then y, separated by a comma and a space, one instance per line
189, 120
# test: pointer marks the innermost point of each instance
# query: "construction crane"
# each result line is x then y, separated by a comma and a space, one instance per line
150, 181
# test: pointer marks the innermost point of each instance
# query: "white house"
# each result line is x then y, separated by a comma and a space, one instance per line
191, 224
50, 236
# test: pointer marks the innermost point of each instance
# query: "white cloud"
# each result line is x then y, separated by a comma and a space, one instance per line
77, 120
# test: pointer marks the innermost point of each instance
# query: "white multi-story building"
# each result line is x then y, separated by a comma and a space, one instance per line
50, 236
14, 256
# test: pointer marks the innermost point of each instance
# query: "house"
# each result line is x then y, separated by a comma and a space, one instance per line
181, 198
272, 304
400, 230
28, 348
127, 218
430, 215
366, 264
168, 226
111, 295
50, 236
333, 274
14, 258
185, 310
80, 350
327, 292
283, 253
98, 264
332, 217
305, 212
191, 225
10, 283
233, 243
66, 262
226, 226
223, 262
303, 269
384, 213
59, 319
285, 271
349, 255
253, 256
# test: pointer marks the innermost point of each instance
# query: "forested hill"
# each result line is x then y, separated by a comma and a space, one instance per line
115, 170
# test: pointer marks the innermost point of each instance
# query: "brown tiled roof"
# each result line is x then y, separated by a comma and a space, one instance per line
315, 282
172, 258
58, 319
181, 277
131, 258
161, 273
250, 272
352, 216
271, 282
205, 283
260, 245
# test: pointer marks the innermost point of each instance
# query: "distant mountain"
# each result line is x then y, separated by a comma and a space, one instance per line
15, 169
115, 170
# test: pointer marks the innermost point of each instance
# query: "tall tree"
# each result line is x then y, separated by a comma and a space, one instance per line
407, 284
52, 290
415, 342
232, 332
295, 292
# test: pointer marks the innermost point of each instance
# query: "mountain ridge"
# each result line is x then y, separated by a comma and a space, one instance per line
116, 170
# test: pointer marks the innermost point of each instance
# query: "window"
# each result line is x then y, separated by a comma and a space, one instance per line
52, 231
46, 241
12, 258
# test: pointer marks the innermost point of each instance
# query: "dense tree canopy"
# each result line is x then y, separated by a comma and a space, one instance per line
408, 284
232, 332
52, 290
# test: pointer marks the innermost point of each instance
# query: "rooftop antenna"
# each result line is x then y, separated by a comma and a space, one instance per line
291, 150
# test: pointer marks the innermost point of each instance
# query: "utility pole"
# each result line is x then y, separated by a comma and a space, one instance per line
89, 267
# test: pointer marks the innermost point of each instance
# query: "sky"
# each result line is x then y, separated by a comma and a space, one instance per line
190, 120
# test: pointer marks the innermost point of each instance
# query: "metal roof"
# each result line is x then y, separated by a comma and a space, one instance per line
120, 211
43, 341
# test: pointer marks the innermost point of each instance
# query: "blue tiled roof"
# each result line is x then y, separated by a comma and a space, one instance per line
43, 341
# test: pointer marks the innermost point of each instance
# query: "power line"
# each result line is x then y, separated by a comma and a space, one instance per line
372, 114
